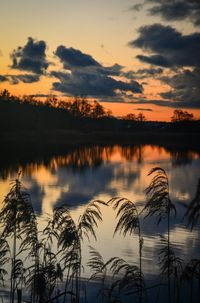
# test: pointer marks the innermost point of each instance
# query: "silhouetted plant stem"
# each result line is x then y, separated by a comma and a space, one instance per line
191, 290
36, 269
19, 295
199, 285
12, 286
168, 248
140, 257
193, 215
18, 221
77, 283
168, 238
159, 203
66, 284
128, 222
70, 236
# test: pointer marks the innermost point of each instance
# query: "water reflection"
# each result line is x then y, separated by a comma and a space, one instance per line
101, 172
80, 158
86, 173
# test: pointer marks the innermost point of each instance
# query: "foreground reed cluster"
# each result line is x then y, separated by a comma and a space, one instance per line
46, 266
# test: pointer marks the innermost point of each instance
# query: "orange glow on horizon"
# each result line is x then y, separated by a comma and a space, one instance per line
119, 109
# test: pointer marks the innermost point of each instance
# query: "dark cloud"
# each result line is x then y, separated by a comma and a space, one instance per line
155, 60
137, 7
144, 109
42, 95
159, 102
26, 78
31, 57
114, 70
86, 77
143, 73
3, 78
92, 84
171, 10
169, 47
185, 88
16, 79
184, 92
73, 58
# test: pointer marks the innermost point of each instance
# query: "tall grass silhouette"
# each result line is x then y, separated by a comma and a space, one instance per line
69, 236
53, 271
128, 223
193, 210
18, 220
191, 271
115, 277
160, 205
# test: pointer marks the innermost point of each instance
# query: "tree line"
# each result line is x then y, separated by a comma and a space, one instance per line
28, 113
78, 106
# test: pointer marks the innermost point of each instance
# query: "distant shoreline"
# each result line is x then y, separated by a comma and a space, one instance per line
59, 138
21, 148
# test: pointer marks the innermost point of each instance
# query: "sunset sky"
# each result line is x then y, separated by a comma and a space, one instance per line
131, 55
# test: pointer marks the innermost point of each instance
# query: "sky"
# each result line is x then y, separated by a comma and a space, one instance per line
131, 55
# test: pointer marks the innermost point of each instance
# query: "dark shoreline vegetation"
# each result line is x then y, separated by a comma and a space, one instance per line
53, 127
86, 121
55, 275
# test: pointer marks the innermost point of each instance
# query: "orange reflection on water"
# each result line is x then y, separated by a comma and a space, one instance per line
98, 172
130, 166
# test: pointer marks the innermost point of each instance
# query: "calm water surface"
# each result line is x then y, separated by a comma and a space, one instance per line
87, 173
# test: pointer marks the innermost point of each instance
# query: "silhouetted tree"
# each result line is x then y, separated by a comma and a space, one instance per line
140, 117
130, 116
180, 115
51, 101
5, 94
98, 110
80, 107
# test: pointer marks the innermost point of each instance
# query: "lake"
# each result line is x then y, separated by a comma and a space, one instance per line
86, 173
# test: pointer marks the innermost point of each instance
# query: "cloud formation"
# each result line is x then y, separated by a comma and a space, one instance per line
169, 47
184, 92
31, 57
74, 58
16, 79
3, 78
25, 78
144, 109
84, 76
143, 73
175, 53
137, 7
92, 84
147, 101
171, 10
185, 88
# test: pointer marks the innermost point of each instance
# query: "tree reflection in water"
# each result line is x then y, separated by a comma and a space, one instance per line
82, 157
